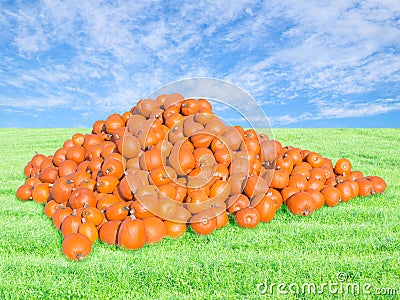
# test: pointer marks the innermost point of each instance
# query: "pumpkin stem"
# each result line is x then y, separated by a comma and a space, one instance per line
306, 212
79, 257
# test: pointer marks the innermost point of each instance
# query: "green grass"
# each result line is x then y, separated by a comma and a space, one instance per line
360, 238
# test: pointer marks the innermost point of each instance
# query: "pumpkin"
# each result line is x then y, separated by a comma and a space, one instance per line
78, 139
113, 122
124, 189
223, 156
117, 211
67, 167
76, 246
342, 166
62, 189
159, 177
50, 207
93, 215
106, 184
182, 161
319, 174
366, 187
221, 172
197, 201
146, 106
151, 159
181, 214
298, 181
215, 126
301, 203
204, 116
356, 175
231, 138
251, 144
255, 185
284, 162
171, 120
221, 219
24, 192
190, 126
354, 185
202, 139
41, 193
204, 104
88, 229
269, 150
301, 170
378, 184
145, 206
68, 144
175, 229
82, 197
190, 107
80, 176
108, 232
247, 217
95, 164
37, 160
265, 207
113, 167
130, 146
147, 138
60, 214
33, 181
219, 191
98, 127
237, 202
146, 190
203, 157
49, 175
315, 184
166, 208
275, 196
70, 224
332, 195
203, 223
288, 191
315, 160
346, 191
318, 197
131, 234
155, 229
105, 201
295, 155
76, 153
280, 179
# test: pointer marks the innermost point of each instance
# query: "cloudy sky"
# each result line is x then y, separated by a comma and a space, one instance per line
307, 63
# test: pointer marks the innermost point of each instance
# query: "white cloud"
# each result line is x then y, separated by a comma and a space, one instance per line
110, 54
339, 110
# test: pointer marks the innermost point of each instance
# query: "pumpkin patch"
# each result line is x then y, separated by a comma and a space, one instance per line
170, 164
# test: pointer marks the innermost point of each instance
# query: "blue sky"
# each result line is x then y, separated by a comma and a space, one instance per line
307, 63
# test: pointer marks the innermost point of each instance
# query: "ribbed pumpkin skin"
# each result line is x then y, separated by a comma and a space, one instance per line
131, 234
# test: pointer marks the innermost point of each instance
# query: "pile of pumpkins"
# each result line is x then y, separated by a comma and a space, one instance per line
170, 163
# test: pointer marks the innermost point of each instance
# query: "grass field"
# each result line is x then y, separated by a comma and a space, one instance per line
360, 238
